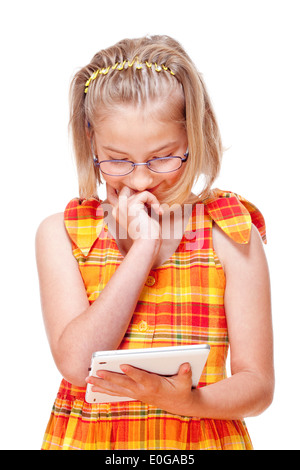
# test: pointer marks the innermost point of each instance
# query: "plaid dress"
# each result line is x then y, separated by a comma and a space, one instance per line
181, 303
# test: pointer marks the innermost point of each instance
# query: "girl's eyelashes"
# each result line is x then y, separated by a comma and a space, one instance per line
118, 158
128, 159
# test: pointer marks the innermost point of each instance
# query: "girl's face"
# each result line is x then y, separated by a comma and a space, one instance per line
133, 135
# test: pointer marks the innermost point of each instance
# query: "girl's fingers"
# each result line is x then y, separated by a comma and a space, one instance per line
145, 386
127, 197
112, 383
149, 200
145, 197
126, 192
107, 380
131, 211
137, 375
185, 374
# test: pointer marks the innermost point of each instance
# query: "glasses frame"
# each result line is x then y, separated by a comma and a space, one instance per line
148, 163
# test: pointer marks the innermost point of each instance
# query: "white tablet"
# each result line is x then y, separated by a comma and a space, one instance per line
164, 361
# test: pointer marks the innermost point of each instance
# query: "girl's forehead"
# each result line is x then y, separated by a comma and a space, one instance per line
129, 125
165, 107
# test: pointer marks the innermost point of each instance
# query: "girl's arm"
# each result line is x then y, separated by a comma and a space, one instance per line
248, 308
75, 328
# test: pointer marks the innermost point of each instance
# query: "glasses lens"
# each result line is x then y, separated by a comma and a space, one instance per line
115, 167
165, 164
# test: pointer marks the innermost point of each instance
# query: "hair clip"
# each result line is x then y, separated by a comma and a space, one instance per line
121, 66
124, 65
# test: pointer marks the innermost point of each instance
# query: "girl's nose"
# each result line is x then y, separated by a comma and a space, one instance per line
141, 178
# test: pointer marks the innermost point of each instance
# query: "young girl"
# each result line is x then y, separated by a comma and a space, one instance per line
113, 277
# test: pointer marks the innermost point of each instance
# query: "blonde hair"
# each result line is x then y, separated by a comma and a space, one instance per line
190, 104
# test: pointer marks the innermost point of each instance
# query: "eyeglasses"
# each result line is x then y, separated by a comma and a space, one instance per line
158, 165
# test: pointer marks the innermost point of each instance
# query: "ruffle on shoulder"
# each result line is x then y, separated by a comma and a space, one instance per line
234, 215
84, 222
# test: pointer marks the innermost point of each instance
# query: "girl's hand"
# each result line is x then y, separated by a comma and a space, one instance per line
172, 394
130, 209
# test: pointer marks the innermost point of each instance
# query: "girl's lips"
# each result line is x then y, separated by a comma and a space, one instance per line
154, 188
151, 190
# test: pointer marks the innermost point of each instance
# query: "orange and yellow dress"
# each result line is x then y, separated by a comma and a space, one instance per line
181, 303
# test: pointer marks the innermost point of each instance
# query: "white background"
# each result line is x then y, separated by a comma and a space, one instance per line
248, 52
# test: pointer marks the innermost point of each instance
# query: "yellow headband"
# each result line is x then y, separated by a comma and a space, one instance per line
124, 65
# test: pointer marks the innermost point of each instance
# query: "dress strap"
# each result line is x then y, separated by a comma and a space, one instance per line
234, 215
84, 222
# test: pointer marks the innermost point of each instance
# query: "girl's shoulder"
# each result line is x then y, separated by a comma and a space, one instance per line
52, 242
51, 232
51, 227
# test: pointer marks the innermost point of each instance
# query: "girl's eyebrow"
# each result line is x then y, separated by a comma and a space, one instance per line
163, 147
111, 149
